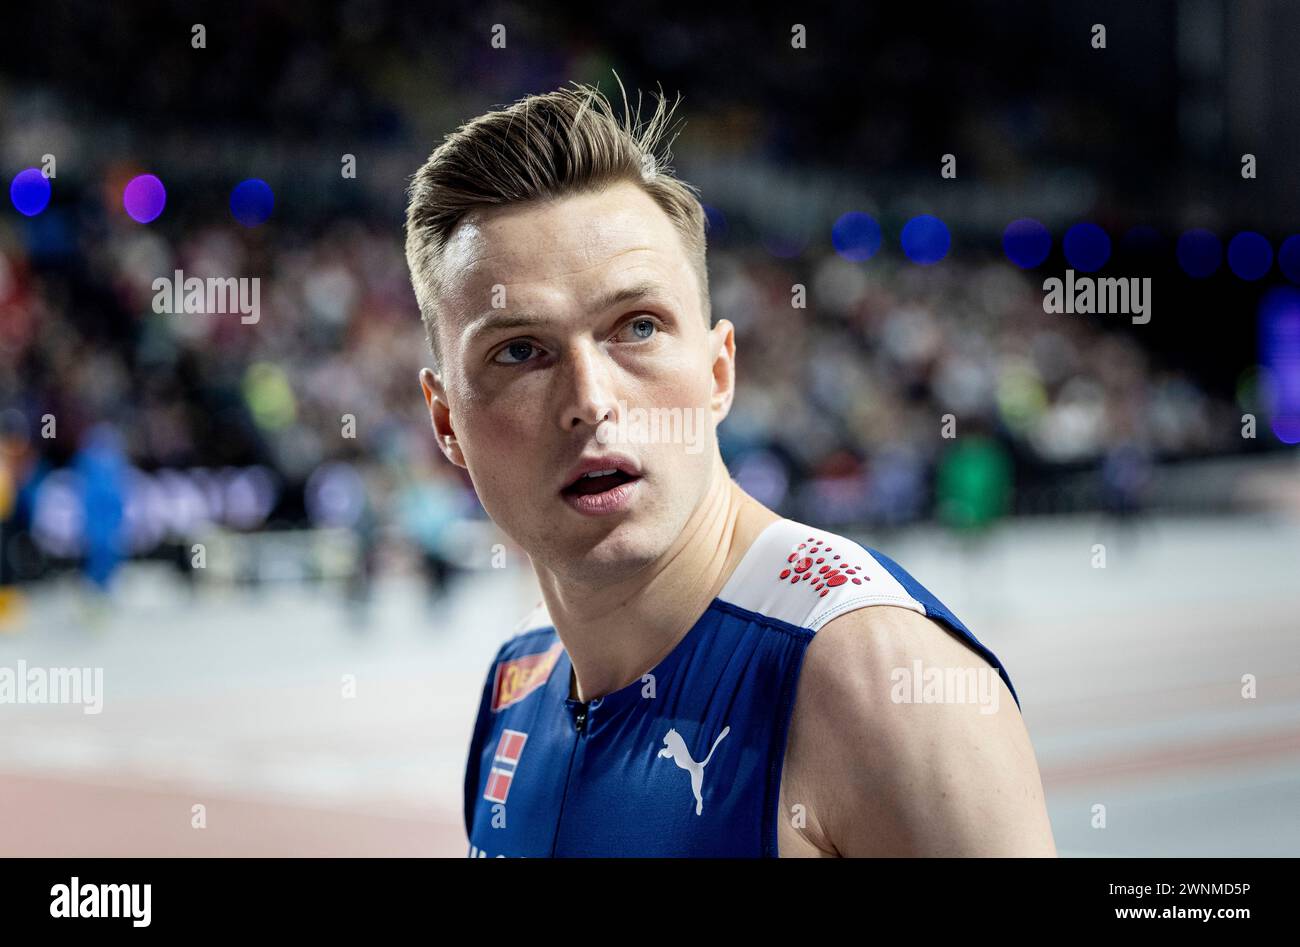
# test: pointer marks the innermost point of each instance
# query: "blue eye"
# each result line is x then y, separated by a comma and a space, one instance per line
643, 321
519, 350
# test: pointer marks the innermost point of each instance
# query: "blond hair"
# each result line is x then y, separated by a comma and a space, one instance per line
540, 148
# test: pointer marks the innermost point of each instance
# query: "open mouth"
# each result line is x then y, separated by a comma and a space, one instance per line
597, 482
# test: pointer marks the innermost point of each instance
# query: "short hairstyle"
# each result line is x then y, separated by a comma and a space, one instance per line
540, 148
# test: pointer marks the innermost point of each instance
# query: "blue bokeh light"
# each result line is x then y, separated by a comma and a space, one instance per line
1279, 347
1026, 243
1199, 253
926, 239
251, 202
30, 192
1288, 258
1250, 255
856, 236
715, 222
1087, 247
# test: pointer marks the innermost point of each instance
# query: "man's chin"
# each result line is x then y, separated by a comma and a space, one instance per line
608, 549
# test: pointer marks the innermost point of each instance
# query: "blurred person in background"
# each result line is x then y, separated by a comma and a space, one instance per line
102, 468
16, 467
428, 502
973, 491
973, 484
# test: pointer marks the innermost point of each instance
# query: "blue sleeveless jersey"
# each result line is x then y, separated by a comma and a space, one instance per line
686, 761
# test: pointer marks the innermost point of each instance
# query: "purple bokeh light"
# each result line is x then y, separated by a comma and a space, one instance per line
144, 198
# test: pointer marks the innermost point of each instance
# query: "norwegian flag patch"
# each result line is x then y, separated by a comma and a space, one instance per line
505, 763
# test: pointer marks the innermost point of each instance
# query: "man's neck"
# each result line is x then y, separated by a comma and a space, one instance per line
615, 633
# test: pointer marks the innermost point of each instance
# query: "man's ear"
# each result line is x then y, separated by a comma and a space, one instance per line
723, 341
440, 415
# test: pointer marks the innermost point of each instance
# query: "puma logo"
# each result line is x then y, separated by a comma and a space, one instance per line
675, 750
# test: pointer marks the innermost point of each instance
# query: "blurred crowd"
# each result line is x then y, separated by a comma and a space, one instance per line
904, 391
898, 392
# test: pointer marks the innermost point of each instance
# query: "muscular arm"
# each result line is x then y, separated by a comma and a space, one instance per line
879, 777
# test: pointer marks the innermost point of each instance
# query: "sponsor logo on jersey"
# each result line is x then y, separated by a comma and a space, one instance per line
519, 677
504, 765
675, 749
810, 562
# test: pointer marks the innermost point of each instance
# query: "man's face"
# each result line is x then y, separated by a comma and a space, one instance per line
613, 324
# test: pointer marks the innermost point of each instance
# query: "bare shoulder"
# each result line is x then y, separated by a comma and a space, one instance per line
905, 741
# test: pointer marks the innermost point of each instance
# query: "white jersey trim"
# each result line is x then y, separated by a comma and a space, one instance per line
785, 574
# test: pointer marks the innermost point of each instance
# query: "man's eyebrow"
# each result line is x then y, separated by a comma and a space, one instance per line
486, 323
491, 321
642, 290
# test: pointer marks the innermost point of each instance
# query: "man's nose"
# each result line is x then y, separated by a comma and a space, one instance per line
589, 397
